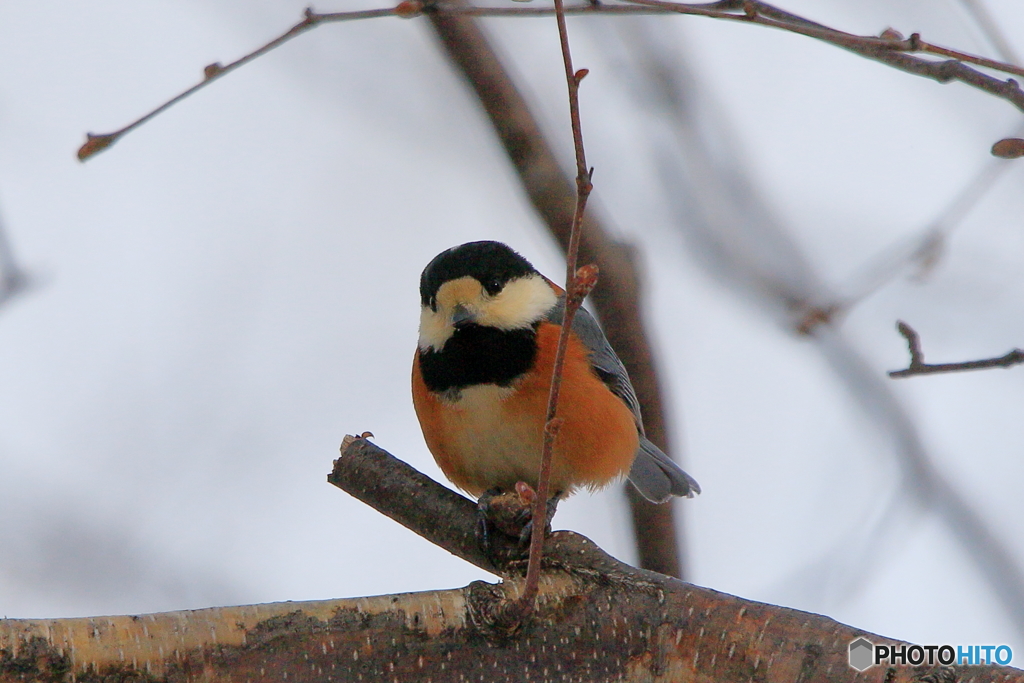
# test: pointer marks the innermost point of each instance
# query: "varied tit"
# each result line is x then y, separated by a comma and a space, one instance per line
489, 328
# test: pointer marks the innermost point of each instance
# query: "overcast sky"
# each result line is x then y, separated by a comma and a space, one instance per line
223, 295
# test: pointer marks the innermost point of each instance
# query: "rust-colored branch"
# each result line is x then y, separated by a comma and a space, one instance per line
919, 367
617, 295
890, 49
767, 15
580, 283
942, 71
95, 144
922, 46
577, 286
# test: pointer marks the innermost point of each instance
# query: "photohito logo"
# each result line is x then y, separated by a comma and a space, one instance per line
864, 654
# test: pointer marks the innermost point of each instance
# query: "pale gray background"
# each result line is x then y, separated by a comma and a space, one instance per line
224, 294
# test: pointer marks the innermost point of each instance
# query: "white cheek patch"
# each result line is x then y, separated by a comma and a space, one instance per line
519, 305
435, 329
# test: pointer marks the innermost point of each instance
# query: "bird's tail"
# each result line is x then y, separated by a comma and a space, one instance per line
657, 477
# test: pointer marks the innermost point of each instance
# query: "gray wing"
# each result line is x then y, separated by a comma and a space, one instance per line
602, 358
653, 474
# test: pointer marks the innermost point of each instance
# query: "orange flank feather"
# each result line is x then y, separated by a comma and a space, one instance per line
491, 437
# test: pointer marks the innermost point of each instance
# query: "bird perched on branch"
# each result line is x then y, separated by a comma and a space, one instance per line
489, 328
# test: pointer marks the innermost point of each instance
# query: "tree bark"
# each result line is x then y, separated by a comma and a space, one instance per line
597, 619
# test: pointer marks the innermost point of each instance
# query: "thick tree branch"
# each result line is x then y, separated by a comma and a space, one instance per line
919, 367
596, 620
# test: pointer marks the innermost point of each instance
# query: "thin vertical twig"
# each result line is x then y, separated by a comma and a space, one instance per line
577, 285
617, 297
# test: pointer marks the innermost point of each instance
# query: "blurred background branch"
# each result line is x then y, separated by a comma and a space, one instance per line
919, 367
13, 279
720, 212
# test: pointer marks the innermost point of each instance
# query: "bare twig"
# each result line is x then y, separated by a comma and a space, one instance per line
887, 50
963, 56
941, 71
577, 286
580, 283
890, 49
926, 248
617, 298
95, 144
438, 514
767, 15
919, 367
738, 240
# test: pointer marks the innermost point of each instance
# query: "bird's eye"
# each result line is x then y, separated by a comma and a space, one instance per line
493, 286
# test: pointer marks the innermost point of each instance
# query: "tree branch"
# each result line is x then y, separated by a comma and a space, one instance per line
597, 619
919, 367
941, 71
888, 49
94, 144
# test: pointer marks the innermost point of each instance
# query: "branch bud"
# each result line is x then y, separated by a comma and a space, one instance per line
407, 9
212, 70
1008, 148
585, 281
94, 144
552, 427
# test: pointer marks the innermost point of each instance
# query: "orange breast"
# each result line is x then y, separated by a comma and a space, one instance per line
492, 437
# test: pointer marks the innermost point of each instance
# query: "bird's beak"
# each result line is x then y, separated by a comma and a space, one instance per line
461, 316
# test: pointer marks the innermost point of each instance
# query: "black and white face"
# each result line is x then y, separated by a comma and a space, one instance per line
480, 283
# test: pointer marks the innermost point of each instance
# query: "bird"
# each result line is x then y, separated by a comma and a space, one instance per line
489, 328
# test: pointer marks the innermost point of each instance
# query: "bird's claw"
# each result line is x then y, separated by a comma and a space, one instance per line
484, 525
526, 519
510, 514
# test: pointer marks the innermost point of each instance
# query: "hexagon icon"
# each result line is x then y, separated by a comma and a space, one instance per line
862, 654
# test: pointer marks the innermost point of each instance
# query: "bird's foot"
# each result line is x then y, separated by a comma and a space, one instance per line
511, 514
528, 498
